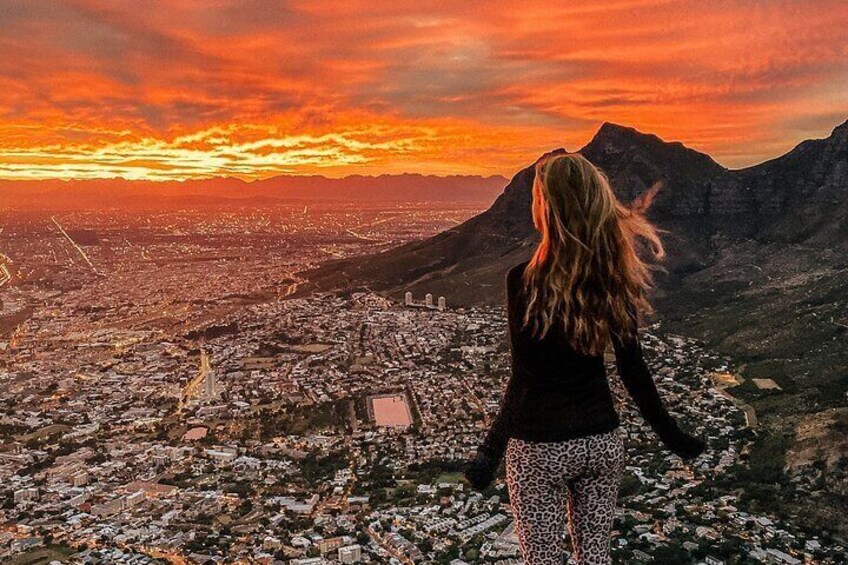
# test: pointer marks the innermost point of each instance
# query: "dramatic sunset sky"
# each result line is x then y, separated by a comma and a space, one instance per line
254, 88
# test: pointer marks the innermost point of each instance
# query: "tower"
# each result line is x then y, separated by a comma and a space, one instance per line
428, 300
209, 378
408, 298
442, 303
209, 385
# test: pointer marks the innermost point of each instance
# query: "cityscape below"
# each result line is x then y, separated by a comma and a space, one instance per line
166, 400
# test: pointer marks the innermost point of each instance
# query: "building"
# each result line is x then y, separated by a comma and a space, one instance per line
308, 561
442, 303
209, 385
428, 300
350, 553
24, 494
408, 298
780, 557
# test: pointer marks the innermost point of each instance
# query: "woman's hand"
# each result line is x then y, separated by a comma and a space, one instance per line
685, 446
480, 471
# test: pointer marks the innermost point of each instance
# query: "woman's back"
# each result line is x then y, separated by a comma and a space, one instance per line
556, 393
560, 393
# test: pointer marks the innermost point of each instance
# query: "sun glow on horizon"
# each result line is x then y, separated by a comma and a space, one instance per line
256, 151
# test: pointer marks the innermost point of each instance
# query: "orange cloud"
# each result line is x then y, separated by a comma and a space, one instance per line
184, 89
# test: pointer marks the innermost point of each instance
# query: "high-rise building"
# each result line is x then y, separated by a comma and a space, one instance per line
442, 303
408, 298
209, 385
428, 300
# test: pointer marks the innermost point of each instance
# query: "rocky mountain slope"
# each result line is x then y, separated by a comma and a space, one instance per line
798, 198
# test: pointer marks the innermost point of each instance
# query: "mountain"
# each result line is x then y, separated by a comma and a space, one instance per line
119, 193
757, 268
801, 196
702, 204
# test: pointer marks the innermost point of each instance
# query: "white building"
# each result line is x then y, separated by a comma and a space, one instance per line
350, 553
30, 493
308, 561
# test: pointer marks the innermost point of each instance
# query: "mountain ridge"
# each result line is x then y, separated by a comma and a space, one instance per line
700, 201
89, 194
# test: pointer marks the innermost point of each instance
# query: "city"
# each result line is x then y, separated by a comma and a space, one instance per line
166, 401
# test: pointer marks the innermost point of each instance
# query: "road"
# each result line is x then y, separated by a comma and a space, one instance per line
481, 406
5, 275
750, 413
193, 385
379, 541
291, 288
77, 247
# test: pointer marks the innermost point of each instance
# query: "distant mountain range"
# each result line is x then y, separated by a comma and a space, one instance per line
757, 268
120, 193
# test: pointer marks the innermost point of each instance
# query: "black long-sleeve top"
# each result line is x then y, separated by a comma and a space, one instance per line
555, 393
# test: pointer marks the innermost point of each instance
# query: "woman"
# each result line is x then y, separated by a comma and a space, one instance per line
557, 425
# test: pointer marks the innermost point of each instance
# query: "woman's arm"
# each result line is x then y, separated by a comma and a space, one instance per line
495, 441
496, 438
481, 470
639, 383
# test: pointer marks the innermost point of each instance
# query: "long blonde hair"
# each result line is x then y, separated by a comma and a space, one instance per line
585, 273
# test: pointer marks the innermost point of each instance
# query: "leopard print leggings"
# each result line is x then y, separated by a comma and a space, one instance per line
542, 476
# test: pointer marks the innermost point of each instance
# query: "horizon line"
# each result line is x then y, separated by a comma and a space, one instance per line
258, 179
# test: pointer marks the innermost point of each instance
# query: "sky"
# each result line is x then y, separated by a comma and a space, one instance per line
178, 89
